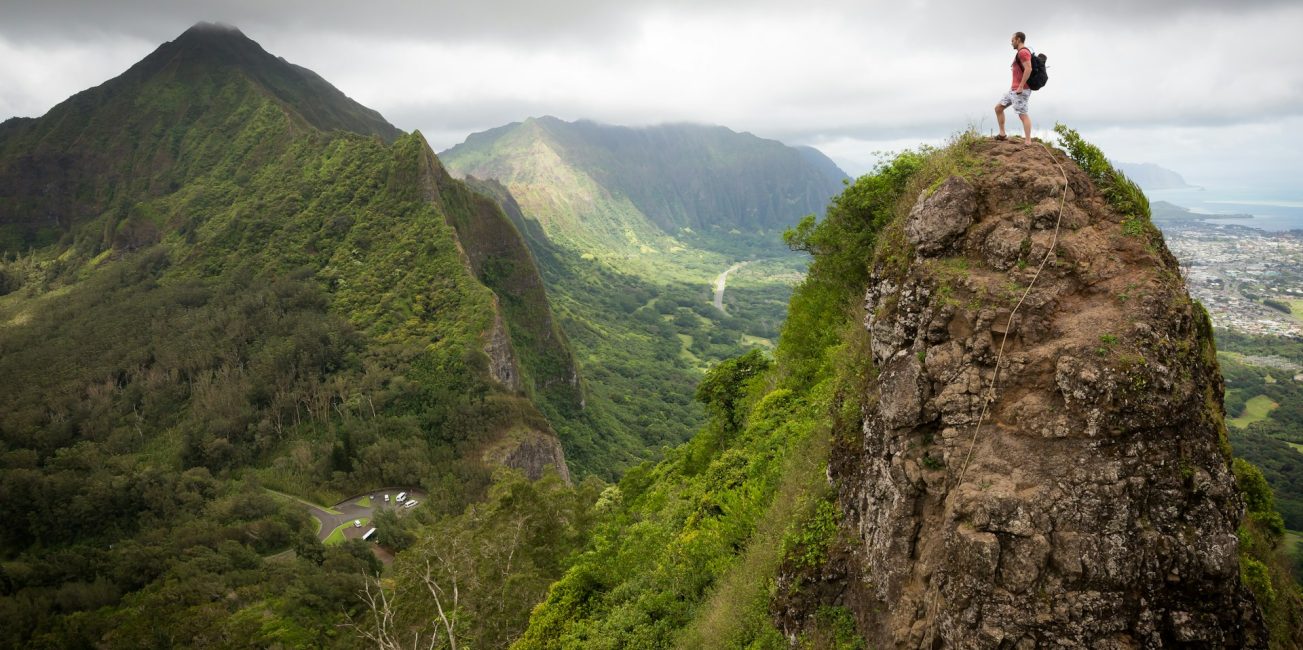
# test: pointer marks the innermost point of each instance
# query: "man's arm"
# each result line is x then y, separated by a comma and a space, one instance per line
1026, 68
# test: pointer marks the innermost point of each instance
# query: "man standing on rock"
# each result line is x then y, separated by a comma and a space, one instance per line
1019, 91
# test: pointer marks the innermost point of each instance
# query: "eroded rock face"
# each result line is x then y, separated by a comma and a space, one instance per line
530, 451
1094, 507
502, 357
939, 219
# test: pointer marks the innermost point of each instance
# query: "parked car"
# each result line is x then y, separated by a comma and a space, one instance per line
357, 523
410, 504
386, 498
401, 496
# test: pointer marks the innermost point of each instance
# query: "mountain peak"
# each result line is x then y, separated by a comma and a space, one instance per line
208, 28
205, 81
209, 43
214, 38
210, 46
1095, 472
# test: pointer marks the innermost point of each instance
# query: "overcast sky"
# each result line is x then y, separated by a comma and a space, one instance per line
1213, 90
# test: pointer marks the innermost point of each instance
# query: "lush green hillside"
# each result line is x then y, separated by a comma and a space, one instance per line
631, 227
638, 190
152, 129
687, 556
689, 551
1272, 439
225, 282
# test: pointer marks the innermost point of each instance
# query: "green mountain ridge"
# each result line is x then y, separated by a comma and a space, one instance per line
639, 189
631, 227
107, 141
226, 287
754, 533
212, 284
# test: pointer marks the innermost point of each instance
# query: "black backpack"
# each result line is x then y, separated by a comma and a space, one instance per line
1039, 76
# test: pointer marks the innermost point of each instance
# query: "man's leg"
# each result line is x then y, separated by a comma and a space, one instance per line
1026, 128
999, 117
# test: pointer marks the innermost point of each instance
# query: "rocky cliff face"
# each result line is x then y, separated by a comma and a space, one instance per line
524, 349
1094, 507
531, 451
502, 358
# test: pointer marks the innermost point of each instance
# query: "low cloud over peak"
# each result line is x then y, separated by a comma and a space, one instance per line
1149, 82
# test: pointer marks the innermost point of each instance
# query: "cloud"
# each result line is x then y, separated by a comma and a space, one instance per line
849, 77
591, 20
35, 76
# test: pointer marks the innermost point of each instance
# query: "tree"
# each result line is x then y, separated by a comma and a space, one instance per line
395, 619
725, 384
311, 549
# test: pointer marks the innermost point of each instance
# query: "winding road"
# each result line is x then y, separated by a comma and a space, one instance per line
349, 509
719, 284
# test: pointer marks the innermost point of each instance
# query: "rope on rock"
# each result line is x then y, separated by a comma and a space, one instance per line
999, 357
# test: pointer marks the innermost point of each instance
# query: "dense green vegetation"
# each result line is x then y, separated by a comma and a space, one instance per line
200, 575
474, 576
1264, 565
1279, 463
688, 555
630, 227
1252, 344
165, 121
1264, 439
644, 329
236, 299
642, 347
646, 184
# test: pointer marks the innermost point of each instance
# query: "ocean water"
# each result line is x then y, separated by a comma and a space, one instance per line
1274, 210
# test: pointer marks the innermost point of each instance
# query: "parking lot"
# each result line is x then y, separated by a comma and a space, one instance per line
337, 520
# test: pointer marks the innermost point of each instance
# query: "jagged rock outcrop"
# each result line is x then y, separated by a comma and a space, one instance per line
530, 451
1095, 506
502, 359
493, 251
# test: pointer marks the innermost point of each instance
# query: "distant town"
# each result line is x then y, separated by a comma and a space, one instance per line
1250, 280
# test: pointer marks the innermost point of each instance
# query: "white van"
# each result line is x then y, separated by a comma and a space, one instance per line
357, 523
401, 496
386, 498
410, 504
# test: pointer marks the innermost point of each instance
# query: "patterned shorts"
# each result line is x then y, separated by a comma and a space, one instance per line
1018, 99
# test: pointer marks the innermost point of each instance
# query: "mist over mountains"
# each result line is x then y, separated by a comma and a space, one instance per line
1153, 177
222, 277
640, 185
239, 312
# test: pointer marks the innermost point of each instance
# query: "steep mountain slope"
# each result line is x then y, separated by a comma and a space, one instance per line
125, 137
1091, 502
623, 189
632, 228
832, 501
637, 376
242, 292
